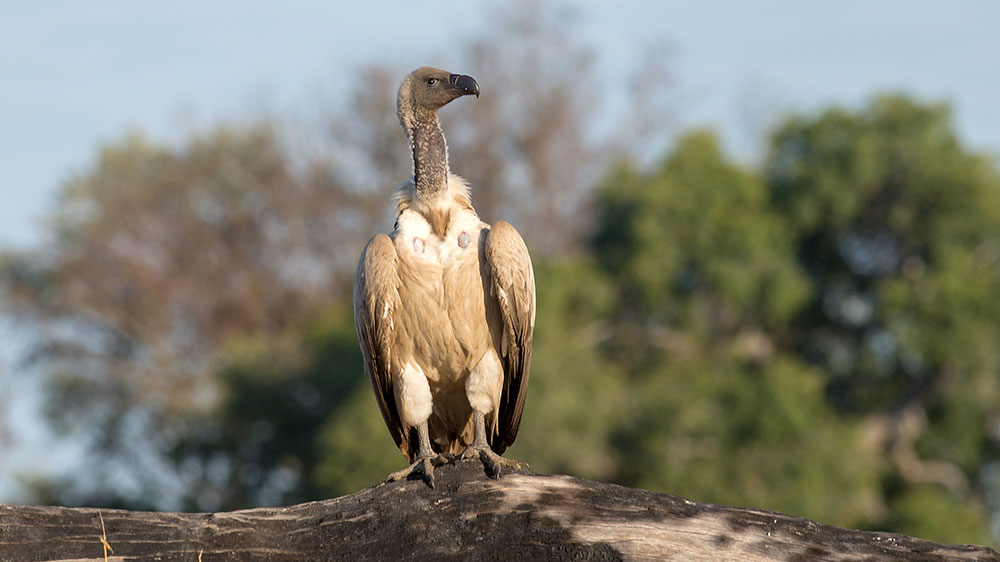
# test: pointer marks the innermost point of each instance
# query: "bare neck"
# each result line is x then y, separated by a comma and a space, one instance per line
430, 157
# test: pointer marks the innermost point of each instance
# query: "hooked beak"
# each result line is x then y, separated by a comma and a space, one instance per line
465, 84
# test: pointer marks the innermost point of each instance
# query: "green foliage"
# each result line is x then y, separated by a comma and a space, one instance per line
767, 434
897, 226
932, 513
260, 445
830, 327
699, 226
708, 281
577, 396
356, 449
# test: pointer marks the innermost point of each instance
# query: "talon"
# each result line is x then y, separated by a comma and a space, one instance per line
424, 466
491, 461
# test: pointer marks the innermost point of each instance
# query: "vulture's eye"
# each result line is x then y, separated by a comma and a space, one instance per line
431, 81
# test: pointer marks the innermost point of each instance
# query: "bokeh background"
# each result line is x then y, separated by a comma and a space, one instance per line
766, 240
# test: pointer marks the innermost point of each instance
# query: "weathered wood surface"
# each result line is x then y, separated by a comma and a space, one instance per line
522, 516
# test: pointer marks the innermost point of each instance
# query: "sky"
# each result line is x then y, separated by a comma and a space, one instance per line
77, 75
81, 74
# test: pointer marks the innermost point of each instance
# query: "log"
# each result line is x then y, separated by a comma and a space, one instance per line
467, 516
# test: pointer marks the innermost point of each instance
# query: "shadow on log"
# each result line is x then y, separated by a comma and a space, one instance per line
522, 516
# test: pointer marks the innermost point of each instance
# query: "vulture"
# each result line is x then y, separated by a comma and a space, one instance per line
445, 305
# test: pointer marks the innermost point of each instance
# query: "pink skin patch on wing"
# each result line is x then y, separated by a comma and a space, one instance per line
463, 239
418, 245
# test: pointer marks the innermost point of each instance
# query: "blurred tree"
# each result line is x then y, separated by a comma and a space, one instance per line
259, 445
698, 226
160, 257
831, 328
708, 284
898, 227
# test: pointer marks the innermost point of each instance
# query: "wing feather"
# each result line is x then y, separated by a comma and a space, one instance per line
376, 301
512, 290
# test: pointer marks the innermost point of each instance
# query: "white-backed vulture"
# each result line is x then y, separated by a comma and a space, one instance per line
445, 305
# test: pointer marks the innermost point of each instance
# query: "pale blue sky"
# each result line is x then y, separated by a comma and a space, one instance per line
79, 74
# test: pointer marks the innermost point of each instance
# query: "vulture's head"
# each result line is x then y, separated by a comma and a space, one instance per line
426, 89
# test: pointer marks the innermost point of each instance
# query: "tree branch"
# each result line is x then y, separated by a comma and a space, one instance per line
522, 516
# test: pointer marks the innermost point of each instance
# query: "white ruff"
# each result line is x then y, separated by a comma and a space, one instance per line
462, 238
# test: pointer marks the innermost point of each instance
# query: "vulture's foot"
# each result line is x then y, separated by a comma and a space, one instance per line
491, 461
424, 467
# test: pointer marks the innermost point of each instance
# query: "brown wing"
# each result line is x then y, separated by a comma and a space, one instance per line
512, 290
376, 302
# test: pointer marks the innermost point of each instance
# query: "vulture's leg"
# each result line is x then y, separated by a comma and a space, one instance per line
480, 449
427, 459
